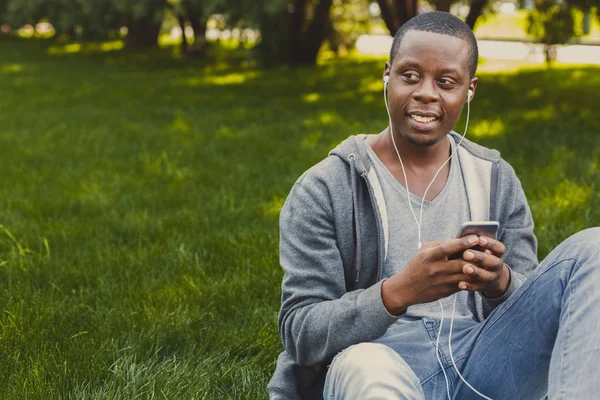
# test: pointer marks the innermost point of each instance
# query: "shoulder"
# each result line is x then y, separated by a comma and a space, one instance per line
505, 170
329, 169
337, 167
323, 185
477, 150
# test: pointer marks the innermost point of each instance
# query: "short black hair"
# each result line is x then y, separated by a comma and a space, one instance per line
443, 23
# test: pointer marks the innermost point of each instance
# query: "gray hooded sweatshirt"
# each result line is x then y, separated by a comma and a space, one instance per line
333, 241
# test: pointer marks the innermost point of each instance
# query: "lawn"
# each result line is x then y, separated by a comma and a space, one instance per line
140, 197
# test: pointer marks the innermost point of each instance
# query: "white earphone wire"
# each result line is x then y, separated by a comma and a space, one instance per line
437, 351
418, 223
400, 158
452, 357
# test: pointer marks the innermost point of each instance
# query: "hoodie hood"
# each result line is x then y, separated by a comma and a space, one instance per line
354, 145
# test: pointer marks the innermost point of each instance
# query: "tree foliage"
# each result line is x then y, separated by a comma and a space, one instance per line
91, 19
552, 23
349, 19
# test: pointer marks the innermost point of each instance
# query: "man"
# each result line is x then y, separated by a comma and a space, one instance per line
361, 313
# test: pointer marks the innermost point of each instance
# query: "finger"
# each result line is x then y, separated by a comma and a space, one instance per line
431, 244
456, 267
479, 274
493, 245
447, 248
461, 277
487, 261
471, 286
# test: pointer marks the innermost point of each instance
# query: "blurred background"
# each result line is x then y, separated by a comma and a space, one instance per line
147, 148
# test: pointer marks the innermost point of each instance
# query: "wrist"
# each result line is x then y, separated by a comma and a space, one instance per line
500, 285
392, 297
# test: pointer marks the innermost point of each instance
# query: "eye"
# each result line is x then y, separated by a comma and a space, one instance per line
411, 76
446, 81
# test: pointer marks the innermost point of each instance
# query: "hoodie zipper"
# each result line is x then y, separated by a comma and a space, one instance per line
378, 223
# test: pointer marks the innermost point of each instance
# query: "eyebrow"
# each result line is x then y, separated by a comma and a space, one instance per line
414, 64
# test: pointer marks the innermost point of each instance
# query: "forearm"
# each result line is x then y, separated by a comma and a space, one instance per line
394, 298
314, 333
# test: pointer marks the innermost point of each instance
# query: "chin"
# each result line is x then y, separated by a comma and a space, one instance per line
424, 140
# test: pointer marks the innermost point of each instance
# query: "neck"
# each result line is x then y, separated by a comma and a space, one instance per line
417, 156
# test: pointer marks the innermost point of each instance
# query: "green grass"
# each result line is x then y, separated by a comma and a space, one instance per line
140, 197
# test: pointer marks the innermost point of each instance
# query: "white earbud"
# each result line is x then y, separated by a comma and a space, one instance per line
386, 79
469, 95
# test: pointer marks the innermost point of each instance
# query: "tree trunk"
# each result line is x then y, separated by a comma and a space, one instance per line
316, 31
474, 12
550, 51
411, 8
443, 5
291, 37
142, 34
296, 30
401, 9
388, 17
184, 42
198, 24
305, 43
397, 15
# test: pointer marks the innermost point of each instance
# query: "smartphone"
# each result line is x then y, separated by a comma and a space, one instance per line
479, 228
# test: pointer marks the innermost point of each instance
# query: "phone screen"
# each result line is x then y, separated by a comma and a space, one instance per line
483, 228
486, 228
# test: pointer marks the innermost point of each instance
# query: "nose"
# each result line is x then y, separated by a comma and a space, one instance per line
426, 92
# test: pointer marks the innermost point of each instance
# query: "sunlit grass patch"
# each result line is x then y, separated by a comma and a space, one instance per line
67, 48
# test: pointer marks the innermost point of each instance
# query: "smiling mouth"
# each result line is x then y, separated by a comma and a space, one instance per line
422, 118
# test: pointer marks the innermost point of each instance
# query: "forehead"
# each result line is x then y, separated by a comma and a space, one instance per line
434, 50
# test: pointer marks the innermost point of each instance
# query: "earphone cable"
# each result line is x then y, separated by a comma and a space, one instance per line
440, 169
401, 163
452, 357
437, 350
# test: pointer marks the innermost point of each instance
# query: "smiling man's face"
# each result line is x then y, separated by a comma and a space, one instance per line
429, 81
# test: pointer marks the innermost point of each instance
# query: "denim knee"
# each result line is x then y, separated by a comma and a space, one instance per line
366, 358
590, 236
372, 370
582, 246
585, 244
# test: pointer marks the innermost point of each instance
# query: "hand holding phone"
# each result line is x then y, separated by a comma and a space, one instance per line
490, 276
479, 228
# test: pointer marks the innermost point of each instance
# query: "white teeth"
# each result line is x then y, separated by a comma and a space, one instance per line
420, 118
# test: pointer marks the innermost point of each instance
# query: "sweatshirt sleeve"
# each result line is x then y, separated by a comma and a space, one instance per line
318, 318
516, 232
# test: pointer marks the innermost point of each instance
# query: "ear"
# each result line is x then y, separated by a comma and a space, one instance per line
387, 69
473, 87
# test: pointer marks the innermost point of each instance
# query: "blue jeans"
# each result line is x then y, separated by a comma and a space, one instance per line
543, 340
